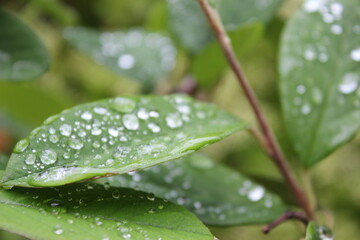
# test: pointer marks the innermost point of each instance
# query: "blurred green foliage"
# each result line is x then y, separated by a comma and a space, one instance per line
74, 79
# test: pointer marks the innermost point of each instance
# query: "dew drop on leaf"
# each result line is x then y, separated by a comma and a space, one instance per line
30, 159
21, 146
123, 105
48, 156
349, 83
256, 194
131, 122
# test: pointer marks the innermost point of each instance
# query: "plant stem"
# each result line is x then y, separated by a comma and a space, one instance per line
271, 143
287, 215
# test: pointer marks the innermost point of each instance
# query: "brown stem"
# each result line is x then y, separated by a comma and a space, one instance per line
286, 216
275, 151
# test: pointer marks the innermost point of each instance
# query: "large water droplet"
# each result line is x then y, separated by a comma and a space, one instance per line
124, 105
349, 83
96, 131
113, 132
131, 122
300, 89
21, 145
65, 130
256, 194
173, 120
154, 127
100, 110
58, 230
143, 114
30, 159
48, 156
306, 109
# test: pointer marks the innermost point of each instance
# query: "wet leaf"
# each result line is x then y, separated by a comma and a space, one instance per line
209, 64
320, 77
194, 183
95, 212
139, 55
315, 232
22, 55
115, 136
194, 32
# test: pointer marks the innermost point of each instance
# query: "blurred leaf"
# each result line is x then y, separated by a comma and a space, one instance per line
195, 181
189, 25
3, 161
90, 211
22, 55
146, 57
115, 136
57, 10
28, 103
210, 63
315, 232
320, 77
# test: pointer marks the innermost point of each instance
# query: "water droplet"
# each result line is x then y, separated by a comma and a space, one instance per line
86, 116
126, 235
336, 8
151, 196
21, 146
30, 159
349, 83
126, 61
306, 109
70, 221
123, 105
355, 55
58, 230
100, 110
54, 138
116, 194
173, 120
65, 130
309, 55
98, 222
110, 162
75, 144
312, 5
143, 114
48, 156
197, 205
151, 210
131, 122
154, 114
256, 194
154, 127
96, 131
113, 132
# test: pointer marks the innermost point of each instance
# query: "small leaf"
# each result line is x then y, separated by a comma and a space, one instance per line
210, 63
115, 136
315, 232
95, 212
320, 77
22, 55
194, 182
146, 57
189, 25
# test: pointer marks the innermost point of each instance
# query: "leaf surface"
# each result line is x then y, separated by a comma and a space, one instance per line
95, 212
115, 136
22, 54
320, 77
195, 182
139, 55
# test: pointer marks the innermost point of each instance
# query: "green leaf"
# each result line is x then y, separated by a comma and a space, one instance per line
320, 77
209, 64
3, 161
194, 182
189, 25
95, 212
115, 136
315, 232
22, 55
146, 57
